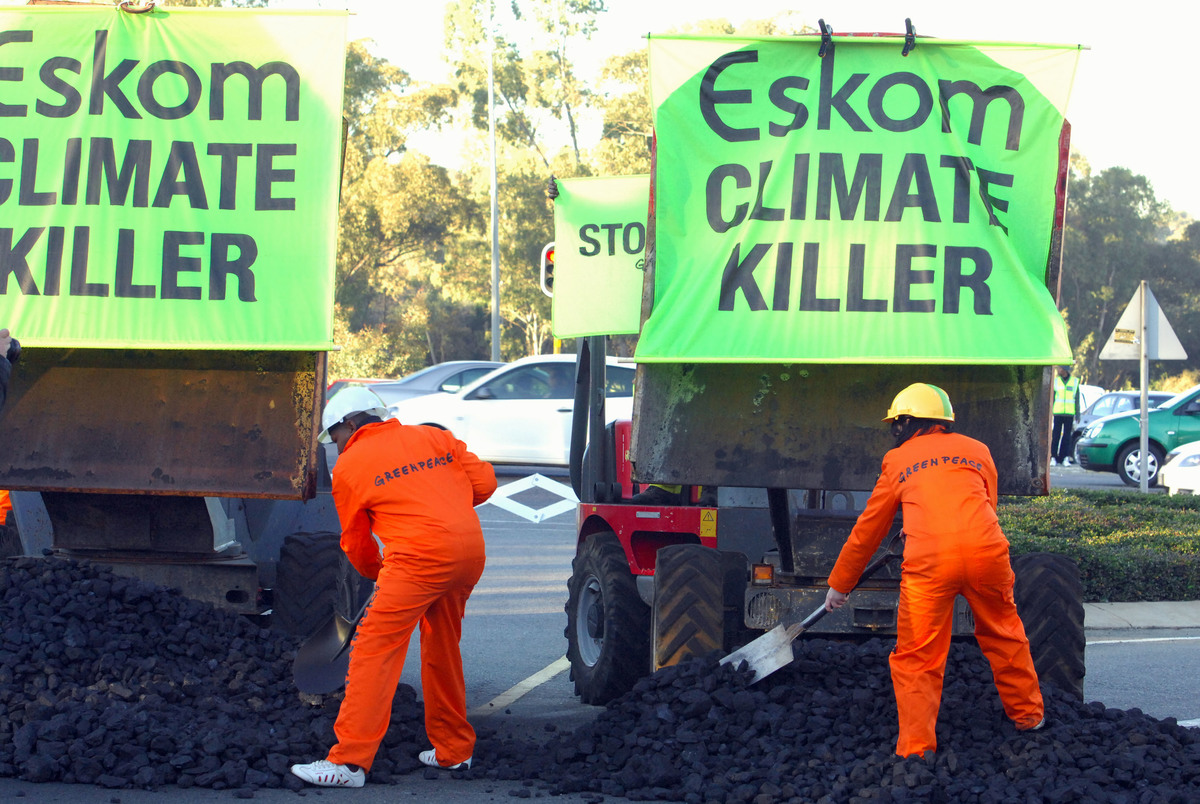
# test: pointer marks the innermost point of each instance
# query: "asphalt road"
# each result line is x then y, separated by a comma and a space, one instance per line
517, 683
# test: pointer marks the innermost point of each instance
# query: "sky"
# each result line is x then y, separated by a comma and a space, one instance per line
1133, 103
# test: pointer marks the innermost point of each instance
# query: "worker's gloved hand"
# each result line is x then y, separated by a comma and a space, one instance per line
834, 599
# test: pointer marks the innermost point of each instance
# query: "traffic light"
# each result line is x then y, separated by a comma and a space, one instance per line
548, 269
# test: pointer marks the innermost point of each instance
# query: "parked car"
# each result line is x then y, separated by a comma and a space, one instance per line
337, 385
1181, 470
1112, 443
520, 413
1110, 403
449, 377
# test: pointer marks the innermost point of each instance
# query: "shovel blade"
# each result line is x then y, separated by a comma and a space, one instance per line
321, 663
767, 653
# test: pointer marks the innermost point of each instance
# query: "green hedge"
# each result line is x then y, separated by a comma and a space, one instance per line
1129, 546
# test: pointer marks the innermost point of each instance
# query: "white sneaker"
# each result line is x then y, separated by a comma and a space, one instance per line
324, 773
1053, 462
1068, 462
430, 758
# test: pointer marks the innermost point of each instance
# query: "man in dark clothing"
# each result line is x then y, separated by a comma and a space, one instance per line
5, 366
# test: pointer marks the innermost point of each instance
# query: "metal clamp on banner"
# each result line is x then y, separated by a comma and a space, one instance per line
826, 39
138, 7
910, 37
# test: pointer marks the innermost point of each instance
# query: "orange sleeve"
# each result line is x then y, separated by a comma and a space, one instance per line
358, 542
869, 531
5, 506
480, 473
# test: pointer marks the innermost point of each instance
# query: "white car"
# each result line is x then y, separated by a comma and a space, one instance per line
520, 413
1181, 471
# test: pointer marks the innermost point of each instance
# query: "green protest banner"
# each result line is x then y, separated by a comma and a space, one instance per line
169, 179
599, 245
862, 207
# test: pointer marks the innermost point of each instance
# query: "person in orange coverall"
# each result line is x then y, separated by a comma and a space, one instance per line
415, 488
945, 484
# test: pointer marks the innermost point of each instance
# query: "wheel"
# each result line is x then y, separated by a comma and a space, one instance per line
1128, 464
314, 580
608, 625
1049, 601
698, 595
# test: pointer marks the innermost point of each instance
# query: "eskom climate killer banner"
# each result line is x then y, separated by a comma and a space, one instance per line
861, 207
599, 255
169, 179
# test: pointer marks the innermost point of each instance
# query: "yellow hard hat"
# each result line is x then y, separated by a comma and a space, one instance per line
921, 401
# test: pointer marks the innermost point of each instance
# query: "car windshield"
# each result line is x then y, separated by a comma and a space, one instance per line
1175, 400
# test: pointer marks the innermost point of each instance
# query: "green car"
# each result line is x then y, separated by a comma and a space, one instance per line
1111, 443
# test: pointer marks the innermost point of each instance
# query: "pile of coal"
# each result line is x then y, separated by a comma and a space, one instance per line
112, 681
824, 730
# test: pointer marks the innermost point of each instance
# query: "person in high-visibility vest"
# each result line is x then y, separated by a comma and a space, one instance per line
1066, 407
415, 488
946, 486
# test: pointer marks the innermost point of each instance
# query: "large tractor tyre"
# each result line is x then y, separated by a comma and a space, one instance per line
1129, 465
1049, 599
698, 596
608, 625
314, 581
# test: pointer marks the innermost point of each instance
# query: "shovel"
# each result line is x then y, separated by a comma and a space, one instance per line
773, 650
321, 663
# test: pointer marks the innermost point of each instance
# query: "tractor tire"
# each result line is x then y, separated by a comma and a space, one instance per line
1129, 465
608, 625
698, 596
1049, 599
313, 582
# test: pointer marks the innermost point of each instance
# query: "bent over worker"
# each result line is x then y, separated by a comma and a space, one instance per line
415, 487
945, 485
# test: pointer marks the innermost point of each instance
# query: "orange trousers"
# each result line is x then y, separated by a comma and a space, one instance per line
431, 593
932, 575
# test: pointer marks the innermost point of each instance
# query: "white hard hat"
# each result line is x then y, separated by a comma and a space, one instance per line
347, 402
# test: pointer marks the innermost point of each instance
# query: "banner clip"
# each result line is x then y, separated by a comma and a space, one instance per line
136, 6
910, 37
826, 39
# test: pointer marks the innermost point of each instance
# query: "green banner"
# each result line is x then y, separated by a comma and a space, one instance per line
169, 179
599, 250
862, 207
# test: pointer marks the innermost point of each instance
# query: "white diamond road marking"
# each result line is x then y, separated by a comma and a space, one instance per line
502, 498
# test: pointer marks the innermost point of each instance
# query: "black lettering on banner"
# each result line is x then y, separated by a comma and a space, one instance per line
79, 266
124, 284
761, 213
255, 79
855, 285
28, 196
780, 300
593, 245
713, 192
627, 242
809, 301
986, 179
956, 280
222, 265
135, 171
739, 275
182, 158
710, 97
72, 164
799, 187
52, 284
7, 154
13, 73
906, 277
779, 97
913, 121
229, 152
962, 185
611, 228
70, 95
173, 263
109, 85
839, 100
145, 90
15, 260
914, 168
981, 99
266, 175
831, 175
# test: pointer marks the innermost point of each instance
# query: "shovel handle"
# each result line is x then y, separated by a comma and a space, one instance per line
812, 619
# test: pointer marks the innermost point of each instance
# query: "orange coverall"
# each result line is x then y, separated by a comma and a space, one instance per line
5, 506
415, 487
946, 483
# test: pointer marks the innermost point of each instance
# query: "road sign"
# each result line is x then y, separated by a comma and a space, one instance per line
1143, 313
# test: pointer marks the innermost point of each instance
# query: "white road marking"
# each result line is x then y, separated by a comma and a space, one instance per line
507, 697
502, 498
1147, 639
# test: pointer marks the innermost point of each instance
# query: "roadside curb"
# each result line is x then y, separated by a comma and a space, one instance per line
1165, 614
